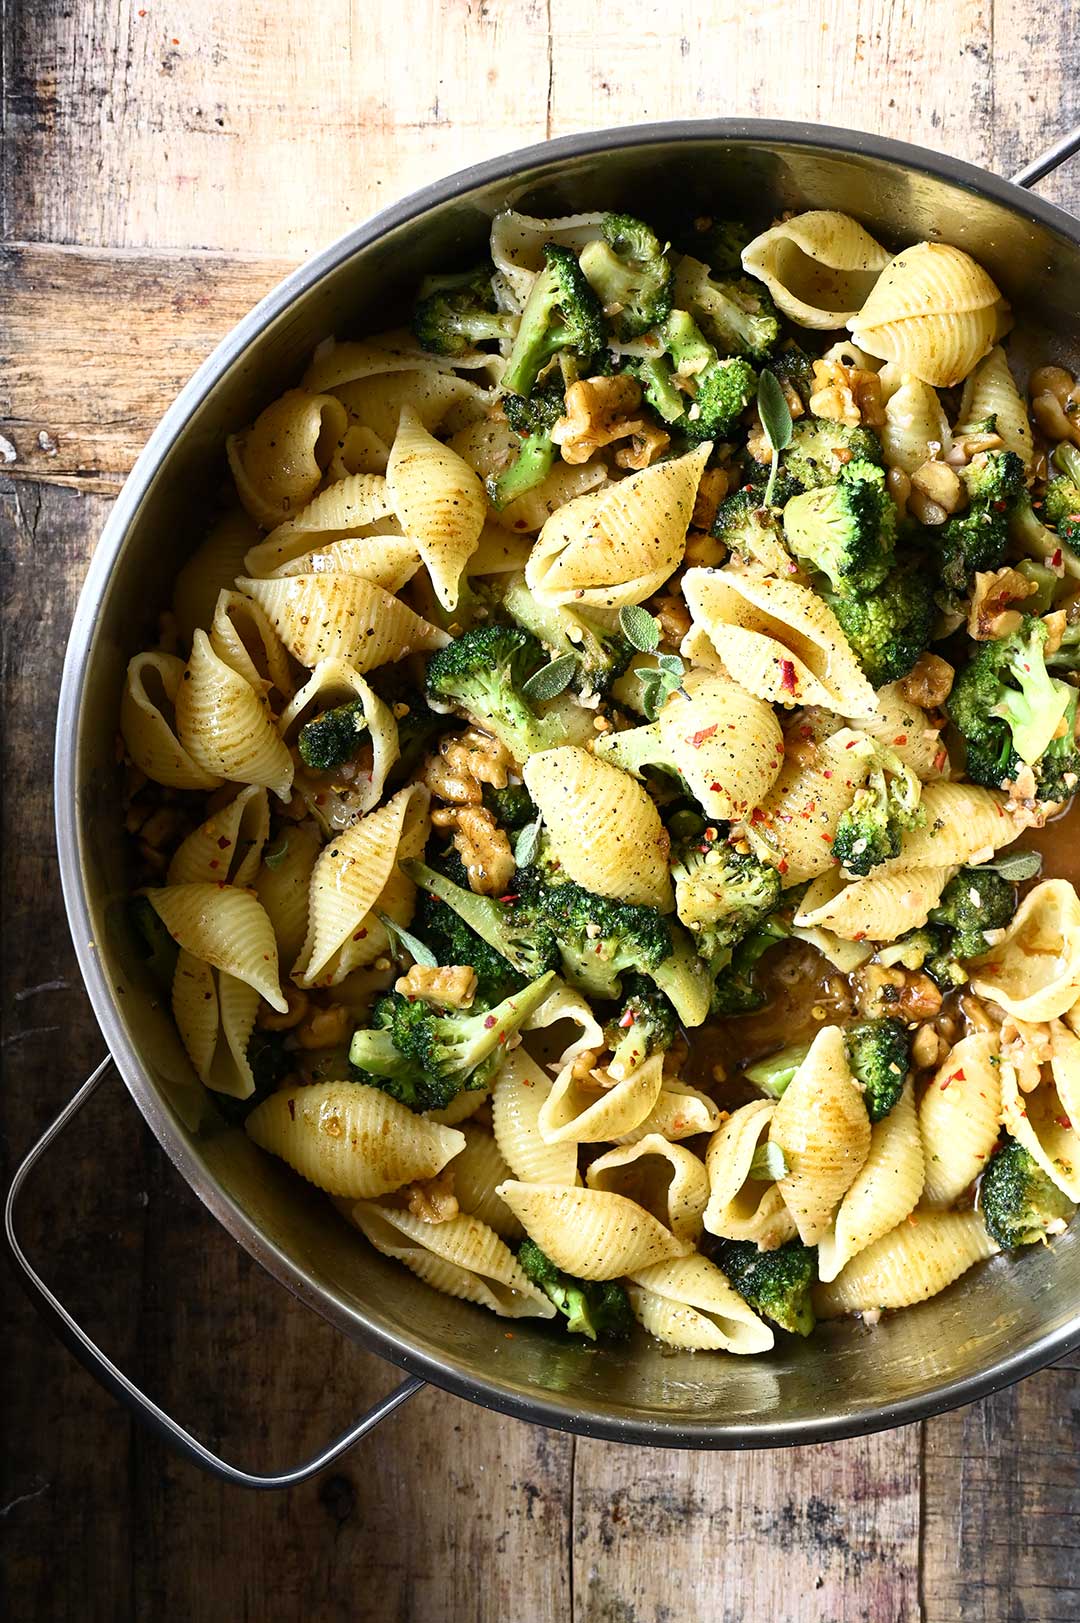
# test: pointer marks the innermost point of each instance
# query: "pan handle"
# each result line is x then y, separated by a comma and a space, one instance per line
1049, 160
115, 1381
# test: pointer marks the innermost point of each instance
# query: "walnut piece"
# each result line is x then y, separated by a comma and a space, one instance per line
929, 682
644, 448
464, 764
432, 1200
928, 1048
847, 394
598, 412
269, 1019
452, 987
325, 1025
990, 615
674, 617
712, 488
482, 845
906, 994
1055, 403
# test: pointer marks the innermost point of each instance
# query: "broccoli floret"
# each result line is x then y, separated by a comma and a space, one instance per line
532, 418
514, 929
590, 1307
723, 394
601, 655
442, 1053
455, 942
1019, 1203
736, 312
974, 901
746, 526
154, 942
821, 449
645, 1025
630, 274
562, 316
994, 476
846, 530
879, 1055
976, 540
871, 829
482, 672
599, 939
270, 1063
334, 737
719, 243
791, 365
735, 991
1008, 708
722, 894
773, 1074
717, 391
512, 806
890, 627
776, 1284
1061, 503
455, 313
638, 750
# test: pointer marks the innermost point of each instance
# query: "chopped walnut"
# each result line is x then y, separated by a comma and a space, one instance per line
1026, 1046
929, 682
432, 1200
1056, 625
453, 987
939, 484
1055, 403
966, 446
646, 444
324, 1026
599, 411
674, 617
712, 488
297, 1000
847, 394
907, 994
928, 1048
703, 550
583, 1065
990, 615
464, 764
978, 1016
482, 845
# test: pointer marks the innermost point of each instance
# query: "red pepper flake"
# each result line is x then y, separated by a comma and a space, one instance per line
489, 1021
901, 738
710, 835
860, 935
224, 843
714, 788
697, 739
787, 676
827, 838
1063, 1121
502, 1036
214, 862
851, 743
782, 866
811, 807
627, 1020
826, 774
940, 758
999, 507
1055, 561
512, 897
956, 1076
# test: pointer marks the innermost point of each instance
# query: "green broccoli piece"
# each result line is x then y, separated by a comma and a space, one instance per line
1019, 1203
735, 990
879, 1055
719, 243
270, 1063
155, 945
976, 540
455, 313
638, 750
870, 831
889, 627
1061, 502
599, 939
974, 901
645, 1025
1045, 581
532, 418
727, 893
590, 1307
846, 530
717, 391
776, 1284
483, 672
746, 526
736, 312
773, 1074
512, 928
791, 365
820, 449
1008, 708
442, 1054
512, 806
562, 317
455, 942
630, 274
601, 655
334, 737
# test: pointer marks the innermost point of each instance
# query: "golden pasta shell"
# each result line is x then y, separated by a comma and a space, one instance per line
478, 1169
147, 723
342, 617
278, 462
959, 1114
439, 399
823, 1129
283, 889
215, 1016
461, 1257
688, 1303
886, 1190
225, 927
919, 1258
740, 1208
226, 726
243, 637
212, 567
1034, 972
336, 363
439, 501
228, 846
666, 1179
1042, 1121
726, 743
680, 1111
991, 391
819, 267
961, 823
878, 908
934, 312
576, 1113
589, 1232
388, 561
517, 1098
334, 682
346, 508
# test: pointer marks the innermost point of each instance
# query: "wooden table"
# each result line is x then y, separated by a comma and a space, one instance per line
162, 166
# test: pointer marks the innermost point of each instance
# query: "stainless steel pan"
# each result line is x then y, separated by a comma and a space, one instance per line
1005, 1319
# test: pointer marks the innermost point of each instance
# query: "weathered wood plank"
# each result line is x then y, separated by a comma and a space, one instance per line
829, 1532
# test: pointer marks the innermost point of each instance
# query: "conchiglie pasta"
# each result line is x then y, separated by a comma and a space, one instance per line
244, 639
1034, 972
819, 267
665, 1179
334, 682
283, 883
618, 546
688, 1303
886, 1189
212, 568
397, 350
960, 823
794, 826
489, 447
342, 617
226, 726
279, 461
388, 561
517, 1099
933, 311
580, 1110
991, 391
958, 1117
462, 1257
215, 1016
1040, 1121
439, 502
439, 399
148, 723
564, 1005
225, 927
739, 1207
228, 846
346, 508
907, 730
919, 1258
823, 1129
589, 1232
875, 908
916, 428
518, 242
603, 827
778, 639
680, 1111
477, 1170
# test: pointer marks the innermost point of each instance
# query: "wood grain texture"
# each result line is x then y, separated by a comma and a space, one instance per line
160, 167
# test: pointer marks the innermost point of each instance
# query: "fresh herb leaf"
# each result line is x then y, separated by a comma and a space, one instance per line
550, 680
659, 682
418, 951
1015, 865
528, 843
672, 664
639, 628
274, 855
769, 1164
775, 417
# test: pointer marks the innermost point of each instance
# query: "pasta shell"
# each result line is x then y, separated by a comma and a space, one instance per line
350, 878
576, 1113
603, 827
916, 427
226, 726
933, 311
887, 1188
477, 1170
346, 508
778, 639
439, 502
1034, 972
878, 908
225, 927
823, 1129
463, 1258
740, 1208
278, 462
283, 888
619, 545
919, 1258
906, 729
342, 617
517, 1098
334, 364
518, 242
244, 639
1041, 1120
961, 823
334, 682
726, 743
688, 1303
351, 1140
439, 399
589, 1232
991, 391
819, 267
215, 1016
360, 450
680, 1111
211, 568
665, 1179
388, 561
793, 828
489, 447
958, 1117
148, 723
228, 846
565, 1005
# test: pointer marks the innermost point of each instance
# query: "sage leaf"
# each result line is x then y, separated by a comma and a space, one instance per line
550, 680
528, 843
274, 855
1015, 865
420, 953
774, 411
768, 1164
639, 628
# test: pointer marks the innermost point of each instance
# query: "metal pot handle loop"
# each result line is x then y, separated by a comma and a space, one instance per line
1066, 147
115, 1381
